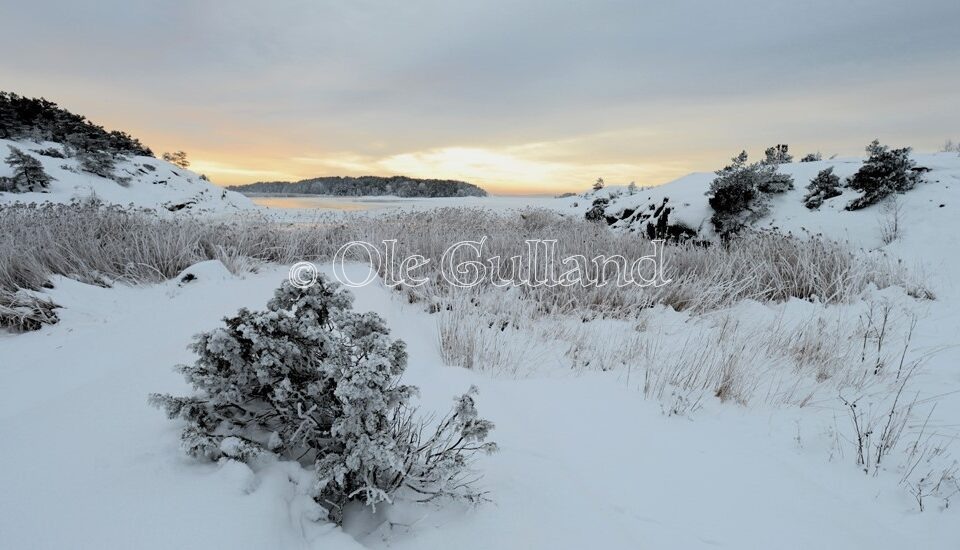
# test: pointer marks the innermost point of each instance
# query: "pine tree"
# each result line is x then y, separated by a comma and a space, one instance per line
885, 172
824, 186
632, 188
28, 174
778, 154
812, 157
313, 381
598, 185
98, 162
739, 193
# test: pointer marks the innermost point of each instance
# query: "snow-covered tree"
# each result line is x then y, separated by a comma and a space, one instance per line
738, 195
632, 188
96, 161
885, 172
778, 154
598, 185
824, 186
313, 381
178, 158
28, 174
812, 157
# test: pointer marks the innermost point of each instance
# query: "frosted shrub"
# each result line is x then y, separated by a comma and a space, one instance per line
887, 171
778, 154
738, 195
825, 186
313, 381
597, 211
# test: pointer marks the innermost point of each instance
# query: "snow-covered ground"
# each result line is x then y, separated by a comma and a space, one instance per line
153, 183
585, 459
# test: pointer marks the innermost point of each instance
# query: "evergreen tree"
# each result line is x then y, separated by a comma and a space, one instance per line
42, 120
812, 157
885, 172
598, 185
28, 174
738, 195
98, 162
632, 188
824, 186
778, 154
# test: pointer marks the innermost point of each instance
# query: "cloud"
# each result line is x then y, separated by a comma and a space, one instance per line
605, 84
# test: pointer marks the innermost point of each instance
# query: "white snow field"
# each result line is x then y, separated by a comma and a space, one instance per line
585, 460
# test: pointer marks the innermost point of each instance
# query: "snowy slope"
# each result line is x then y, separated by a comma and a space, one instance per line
154, 184
688, 201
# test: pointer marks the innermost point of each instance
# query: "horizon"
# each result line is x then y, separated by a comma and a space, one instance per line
518, 99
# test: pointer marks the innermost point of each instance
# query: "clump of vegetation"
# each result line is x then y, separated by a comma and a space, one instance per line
597, 211
738, 195
42, 120
778, 154
178, 158
23, 312
825, 185
313, 381
885, 172
812, 157
28, 174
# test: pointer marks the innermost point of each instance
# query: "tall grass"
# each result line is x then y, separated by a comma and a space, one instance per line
103, 245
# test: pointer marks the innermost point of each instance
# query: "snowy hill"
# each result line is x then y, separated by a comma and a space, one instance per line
152, 183
934, 201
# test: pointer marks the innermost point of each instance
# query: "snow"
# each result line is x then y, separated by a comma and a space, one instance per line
688, 200
164, 188
585, 460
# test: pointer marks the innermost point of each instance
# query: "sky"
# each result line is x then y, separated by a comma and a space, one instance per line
520, 97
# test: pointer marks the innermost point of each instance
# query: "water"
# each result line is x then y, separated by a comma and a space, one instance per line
330, 203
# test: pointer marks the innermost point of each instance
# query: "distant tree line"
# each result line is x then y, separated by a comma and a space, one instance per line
400, 186
42, 120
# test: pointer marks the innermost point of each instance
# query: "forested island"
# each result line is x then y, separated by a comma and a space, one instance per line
347, 186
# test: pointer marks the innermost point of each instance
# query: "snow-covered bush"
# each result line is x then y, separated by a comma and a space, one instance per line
738, 193
22, 312
778, 154
597, 210
812, 157
824, 186
28, 174
887, 171
313, 381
